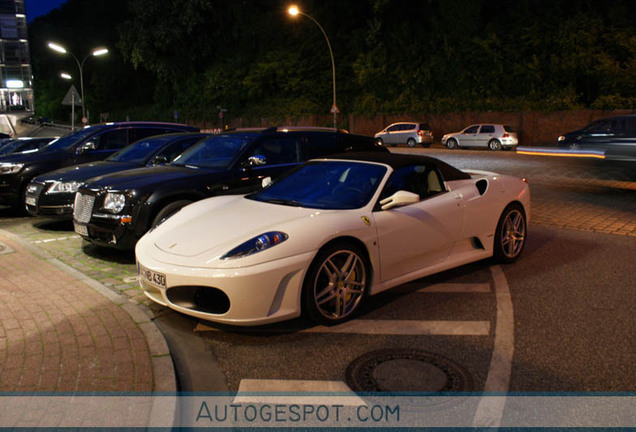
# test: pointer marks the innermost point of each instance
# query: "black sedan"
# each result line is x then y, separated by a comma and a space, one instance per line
117, 209
52, 194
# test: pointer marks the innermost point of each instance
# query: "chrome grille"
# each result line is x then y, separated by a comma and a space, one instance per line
83, 207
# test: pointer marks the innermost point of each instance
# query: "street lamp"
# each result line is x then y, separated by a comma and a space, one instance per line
96, 52
294, 11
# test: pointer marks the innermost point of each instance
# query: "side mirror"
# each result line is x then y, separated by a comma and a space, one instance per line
86, 147
399, 199
159, 160
266, 182
256, 160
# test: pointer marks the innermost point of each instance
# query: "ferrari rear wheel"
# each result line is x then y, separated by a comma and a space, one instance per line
511, 234
336, 284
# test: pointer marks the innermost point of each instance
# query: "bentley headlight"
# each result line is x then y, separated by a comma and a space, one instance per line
114, 202
64, 187
10, 168
257, 244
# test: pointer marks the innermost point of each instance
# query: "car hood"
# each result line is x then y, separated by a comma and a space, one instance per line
86, 171
143, 177
222, 223
39, 156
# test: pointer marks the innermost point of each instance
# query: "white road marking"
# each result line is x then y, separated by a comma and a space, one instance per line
408, 328
55, 239
289, 388
490, 409
444, 288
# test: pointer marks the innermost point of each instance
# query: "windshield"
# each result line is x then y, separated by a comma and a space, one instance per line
215, 152
139, 151
333, 185
69, 140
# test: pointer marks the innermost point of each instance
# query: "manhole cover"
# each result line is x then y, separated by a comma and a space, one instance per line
407, 370
5, 249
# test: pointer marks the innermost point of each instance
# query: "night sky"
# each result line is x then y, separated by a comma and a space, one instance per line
35, 8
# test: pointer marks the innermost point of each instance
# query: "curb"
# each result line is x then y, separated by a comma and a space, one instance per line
164, 377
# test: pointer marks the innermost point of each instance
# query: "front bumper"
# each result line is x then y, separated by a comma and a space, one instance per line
107, 232
39, 203
245, 296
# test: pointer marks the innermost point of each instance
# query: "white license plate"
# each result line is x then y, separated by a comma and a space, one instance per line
81, 229
30, 201
153, 277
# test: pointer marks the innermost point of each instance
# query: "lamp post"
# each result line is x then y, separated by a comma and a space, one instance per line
96, 52
294, 11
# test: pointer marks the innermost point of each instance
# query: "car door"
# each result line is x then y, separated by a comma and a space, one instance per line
280, 154
485, 134
100, 146
393, 134
468, 136
416, 236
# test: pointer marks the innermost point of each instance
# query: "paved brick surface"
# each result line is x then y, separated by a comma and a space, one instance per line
59, 334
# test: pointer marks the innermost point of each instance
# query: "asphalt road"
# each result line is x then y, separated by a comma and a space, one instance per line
571, 298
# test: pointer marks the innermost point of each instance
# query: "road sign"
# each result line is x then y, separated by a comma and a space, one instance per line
72, 97
334, 109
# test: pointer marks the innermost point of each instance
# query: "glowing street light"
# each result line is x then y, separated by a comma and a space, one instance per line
65, 76
294, 11
96, 52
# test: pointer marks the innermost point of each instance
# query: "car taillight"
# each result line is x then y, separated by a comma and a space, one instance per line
506, 135
420, 132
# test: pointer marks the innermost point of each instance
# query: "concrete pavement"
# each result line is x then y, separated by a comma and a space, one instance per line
61, 331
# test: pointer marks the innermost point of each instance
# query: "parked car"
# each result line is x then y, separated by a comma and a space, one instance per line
492, 136
24, 145
614, 136
117, 209
324, 237
409, 133
89, 144
52, 194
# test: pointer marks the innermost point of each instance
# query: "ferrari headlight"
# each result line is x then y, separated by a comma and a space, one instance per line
10, 168
64, 187
257, 244
114, 202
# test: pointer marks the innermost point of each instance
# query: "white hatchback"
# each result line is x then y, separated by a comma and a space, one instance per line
493, 136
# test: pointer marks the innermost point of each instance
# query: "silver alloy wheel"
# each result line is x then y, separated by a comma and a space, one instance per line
451, 143
513, 233
339, 285
410, 142
494, 145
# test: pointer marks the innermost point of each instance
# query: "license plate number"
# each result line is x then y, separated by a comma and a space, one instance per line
153, 277
30, 201
81, 229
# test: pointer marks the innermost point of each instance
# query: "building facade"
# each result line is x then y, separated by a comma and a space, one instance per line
16, 78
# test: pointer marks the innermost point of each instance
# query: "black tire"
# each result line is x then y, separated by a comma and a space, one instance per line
410, 142
511, 233
168, 211
451, 143
494, 145
336, 284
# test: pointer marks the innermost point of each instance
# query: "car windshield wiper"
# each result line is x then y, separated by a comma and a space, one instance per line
283, 201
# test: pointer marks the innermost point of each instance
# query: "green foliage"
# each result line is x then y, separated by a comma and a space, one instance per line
392, 56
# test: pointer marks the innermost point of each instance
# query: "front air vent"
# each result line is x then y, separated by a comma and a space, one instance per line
482, 186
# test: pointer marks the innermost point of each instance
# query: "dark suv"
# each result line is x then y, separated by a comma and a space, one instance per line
615, 137
90, 144
117, 209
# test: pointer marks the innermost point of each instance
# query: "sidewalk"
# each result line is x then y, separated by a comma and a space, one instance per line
61, 331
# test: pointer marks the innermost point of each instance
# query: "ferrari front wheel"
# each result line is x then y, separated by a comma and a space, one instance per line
511, 234
336, 283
